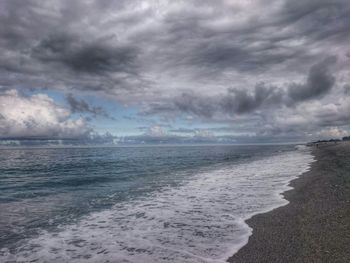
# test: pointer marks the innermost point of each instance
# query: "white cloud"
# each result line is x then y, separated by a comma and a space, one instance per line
203, 134
333, 132
156, 131
36, 116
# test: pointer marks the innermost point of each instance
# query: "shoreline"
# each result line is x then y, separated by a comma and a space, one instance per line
314, 226
280, 195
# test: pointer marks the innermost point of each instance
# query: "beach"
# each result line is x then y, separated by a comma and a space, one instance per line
315, 225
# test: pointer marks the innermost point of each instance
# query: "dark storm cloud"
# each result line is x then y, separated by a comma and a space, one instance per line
242, 101
319, 82
55, 43
347, 88
81, 106
93, 58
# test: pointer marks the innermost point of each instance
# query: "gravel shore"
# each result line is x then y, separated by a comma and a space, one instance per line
315, 225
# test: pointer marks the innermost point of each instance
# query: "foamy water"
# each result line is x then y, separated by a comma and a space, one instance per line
199, 220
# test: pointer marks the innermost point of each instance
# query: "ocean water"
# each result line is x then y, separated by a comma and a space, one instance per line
138, 204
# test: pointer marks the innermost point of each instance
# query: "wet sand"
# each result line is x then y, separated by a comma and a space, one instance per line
315, 225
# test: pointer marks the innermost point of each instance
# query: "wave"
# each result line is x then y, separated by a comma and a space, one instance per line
201, 220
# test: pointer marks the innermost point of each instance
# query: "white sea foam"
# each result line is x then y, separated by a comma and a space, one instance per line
200, 221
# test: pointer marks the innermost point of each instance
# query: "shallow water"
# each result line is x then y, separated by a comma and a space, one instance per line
138, 204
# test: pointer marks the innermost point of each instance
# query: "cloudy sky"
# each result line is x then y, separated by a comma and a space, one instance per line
174, 71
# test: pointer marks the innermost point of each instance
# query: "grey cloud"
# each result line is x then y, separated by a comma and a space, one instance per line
93, 58
227, 54
200, 136
242, 101
81, 106
182, 130
39, 40
171, 139
91, 138
319, 82
257, 46
48, 45
308, 15
346, 88
336, 115
194, 104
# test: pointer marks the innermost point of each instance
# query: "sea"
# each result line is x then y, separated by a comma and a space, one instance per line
139, 204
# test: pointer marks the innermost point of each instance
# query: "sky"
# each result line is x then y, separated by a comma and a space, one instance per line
191, 71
